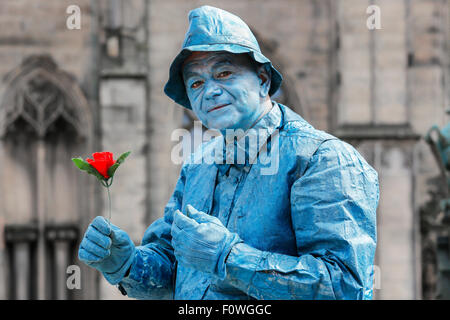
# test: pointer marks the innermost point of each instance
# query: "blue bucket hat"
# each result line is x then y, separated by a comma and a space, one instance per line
213, 29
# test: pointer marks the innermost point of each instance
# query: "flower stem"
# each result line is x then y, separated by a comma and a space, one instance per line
109, 202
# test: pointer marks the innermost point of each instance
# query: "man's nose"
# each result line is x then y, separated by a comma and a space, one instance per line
212, 90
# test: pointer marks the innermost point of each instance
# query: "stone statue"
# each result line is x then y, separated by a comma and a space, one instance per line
439, 141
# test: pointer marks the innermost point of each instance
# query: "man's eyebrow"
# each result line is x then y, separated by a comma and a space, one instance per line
188, 66
189, 73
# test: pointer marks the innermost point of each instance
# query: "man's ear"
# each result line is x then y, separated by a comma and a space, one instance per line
264, 75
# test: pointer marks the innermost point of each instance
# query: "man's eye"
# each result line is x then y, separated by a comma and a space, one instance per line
196, 84
223, 74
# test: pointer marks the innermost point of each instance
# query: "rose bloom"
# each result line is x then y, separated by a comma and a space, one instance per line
102, 162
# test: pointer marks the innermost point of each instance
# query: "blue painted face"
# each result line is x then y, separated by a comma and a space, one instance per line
226, 91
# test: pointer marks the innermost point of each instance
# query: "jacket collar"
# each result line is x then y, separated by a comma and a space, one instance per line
242, 148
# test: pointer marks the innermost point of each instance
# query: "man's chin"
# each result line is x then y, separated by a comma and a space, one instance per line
219, 126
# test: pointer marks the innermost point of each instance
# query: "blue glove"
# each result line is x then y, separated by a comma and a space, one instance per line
201, 241
109, 250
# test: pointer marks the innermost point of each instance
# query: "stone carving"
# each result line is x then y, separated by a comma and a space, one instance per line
435, 220
39, 94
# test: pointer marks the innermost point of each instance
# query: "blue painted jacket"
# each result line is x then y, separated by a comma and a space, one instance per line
308, 230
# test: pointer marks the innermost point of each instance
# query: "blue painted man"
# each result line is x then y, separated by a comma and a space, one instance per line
304, 230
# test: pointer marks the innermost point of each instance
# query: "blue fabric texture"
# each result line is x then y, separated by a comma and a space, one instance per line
213, 29
307, 231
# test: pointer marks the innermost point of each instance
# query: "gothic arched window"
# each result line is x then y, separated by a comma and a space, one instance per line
44, 121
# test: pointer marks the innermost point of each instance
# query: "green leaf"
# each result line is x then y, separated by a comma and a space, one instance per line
85, 166
119, 161
81, 164
123, 156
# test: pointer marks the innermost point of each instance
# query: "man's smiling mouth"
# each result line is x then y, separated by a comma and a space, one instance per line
219, 107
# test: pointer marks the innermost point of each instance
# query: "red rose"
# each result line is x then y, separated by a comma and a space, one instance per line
102, 162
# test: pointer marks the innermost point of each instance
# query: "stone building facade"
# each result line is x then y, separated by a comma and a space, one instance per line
70, 92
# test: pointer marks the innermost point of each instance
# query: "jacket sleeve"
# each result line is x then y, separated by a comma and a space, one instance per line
152, 271
333, 211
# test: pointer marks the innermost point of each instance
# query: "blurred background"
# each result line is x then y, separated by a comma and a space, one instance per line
69, 89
